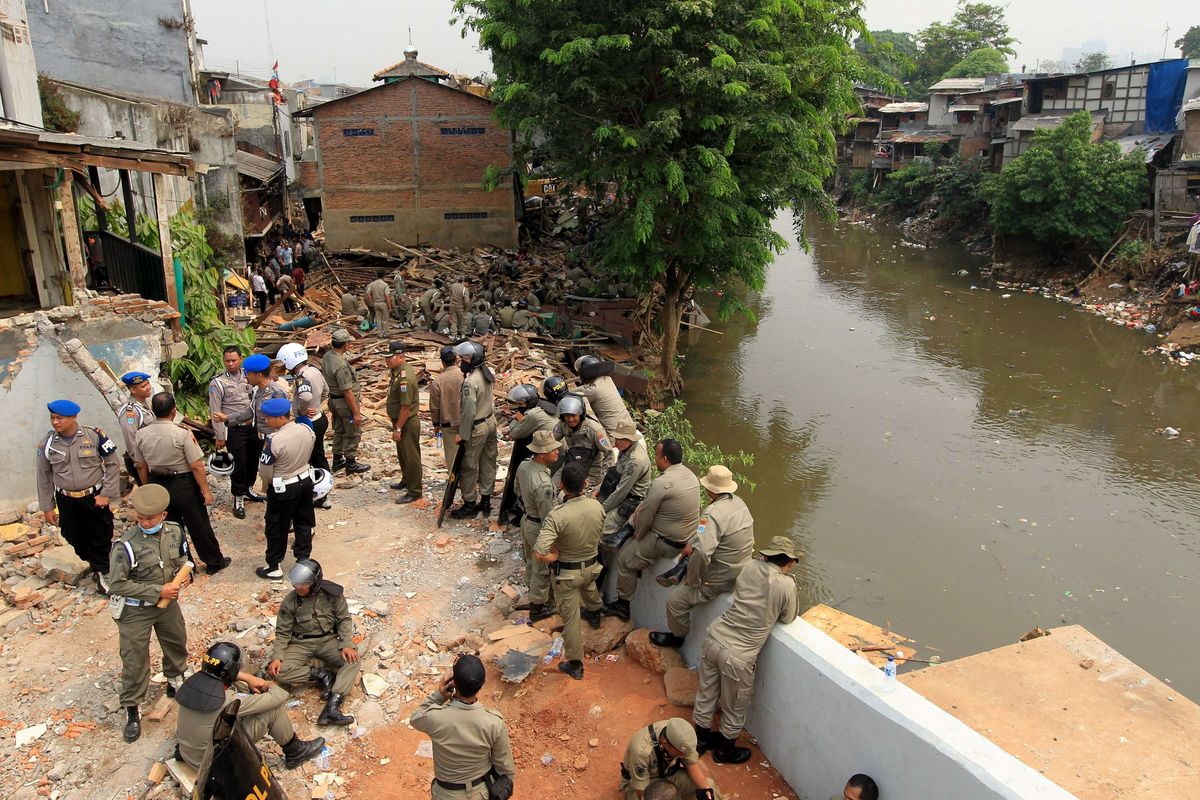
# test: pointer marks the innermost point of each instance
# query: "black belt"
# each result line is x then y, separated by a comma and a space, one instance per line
671, 542
311, 635
482, 420
162, 473
445, 424
336, 396
533, 518
577, 564
458, 787
247, 424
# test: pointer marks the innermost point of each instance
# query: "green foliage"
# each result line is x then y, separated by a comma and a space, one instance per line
957, 185
1189, 43
907, 188
1067, 189
1092, 62
860, 184
978, 63
894, 53
1132, 252
672, 423
945, 44
707, 119
56, 116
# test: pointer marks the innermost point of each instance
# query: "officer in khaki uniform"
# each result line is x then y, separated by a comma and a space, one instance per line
310, 391
535, 488
630, 478
142, 567
287, 481
533, 414
476, 432
762, 596
471, 750
663, 523
723, 545
428, 303
567, 542
134, 416
314, 622
232, 414
460, 304
445, 403
380, 301
343, 403
261, 711
404, 410
665, 750
601, 392
78, 472
583, 439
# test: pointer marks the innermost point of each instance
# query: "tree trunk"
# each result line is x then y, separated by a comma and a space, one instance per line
675, 285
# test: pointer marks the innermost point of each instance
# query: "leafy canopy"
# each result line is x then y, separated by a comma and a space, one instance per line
1066, 189
894, 53
944, 44
979, 63
1189, 43
1091, 62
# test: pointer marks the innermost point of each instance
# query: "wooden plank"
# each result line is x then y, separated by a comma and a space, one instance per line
70, 223
163, 215
509, 632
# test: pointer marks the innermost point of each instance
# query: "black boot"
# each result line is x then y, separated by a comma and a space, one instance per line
332, 714
297, 751
101, 582
339, 462
467, 510
133, 724
591, 617
666, 639
726, 751
572, 668
405, 499
323, 679
397, 485
675, 574
239, 507
540, 611
354, 467
485, 506
619, 608
704, 737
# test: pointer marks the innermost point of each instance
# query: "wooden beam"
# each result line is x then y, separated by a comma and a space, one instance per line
70, 223
163, 215
81, 161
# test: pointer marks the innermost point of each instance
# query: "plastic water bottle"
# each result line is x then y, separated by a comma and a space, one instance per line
323, 759
889, 674
439, 438
556, 649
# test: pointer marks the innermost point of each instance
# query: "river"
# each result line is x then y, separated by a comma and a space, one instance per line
960, 464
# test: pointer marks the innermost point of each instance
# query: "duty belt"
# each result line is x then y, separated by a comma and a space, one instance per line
576, 564
133, 601
482, 420
458, 787
296, 478
531, 518
671, 542
91, 491
166, 473
311, 635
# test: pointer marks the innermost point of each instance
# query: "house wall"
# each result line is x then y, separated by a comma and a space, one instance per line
219, 188
19, 98
1189, 144
416, 175
939, 115
820, 715
119, 45
1126, 105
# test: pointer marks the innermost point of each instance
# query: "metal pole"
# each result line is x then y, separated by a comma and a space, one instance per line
130, 214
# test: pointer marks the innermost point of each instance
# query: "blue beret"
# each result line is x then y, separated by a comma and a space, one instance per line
134, 378
257, 363
277, 407
63, 408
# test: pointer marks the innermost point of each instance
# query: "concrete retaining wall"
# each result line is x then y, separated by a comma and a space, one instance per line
820, 716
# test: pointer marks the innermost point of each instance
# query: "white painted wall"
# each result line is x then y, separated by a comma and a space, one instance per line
19, 99
820, 716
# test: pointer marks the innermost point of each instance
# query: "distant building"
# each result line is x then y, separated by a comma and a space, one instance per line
943, 92
410, 67
405, 161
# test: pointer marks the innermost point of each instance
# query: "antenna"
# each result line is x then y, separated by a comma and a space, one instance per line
1166, 36
410, 36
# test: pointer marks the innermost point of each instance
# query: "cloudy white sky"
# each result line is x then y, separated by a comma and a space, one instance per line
347, 40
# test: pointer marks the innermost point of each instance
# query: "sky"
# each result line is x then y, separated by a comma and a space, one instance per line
346, 41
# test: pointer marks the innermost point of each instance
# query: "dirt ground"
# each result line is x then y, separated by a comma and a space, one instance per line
419, 595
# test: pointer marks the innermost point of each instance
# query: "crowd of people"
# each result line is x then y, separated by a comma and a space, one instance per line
583, 497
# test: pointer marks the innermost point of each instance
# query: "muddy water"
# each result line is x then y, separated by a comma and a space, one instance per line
962, 465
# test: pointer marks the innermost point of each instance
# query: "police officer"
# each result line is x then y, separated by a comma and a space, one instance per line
232, 416
135, 415
429, 301
314, 622
404, 410
343, 402
471, 751
525, 320
663, 523
476, 432
723, 545
506, 314
583, 439
554, 389
352, 306
262, 388
141, 574
763, 595
532, 415
287, 481
261, 710
535, 488
168, 455
567, 542
310, 391
600, 391
77, 469
380, 301
460, 303
621, 491
665, 750
445, 403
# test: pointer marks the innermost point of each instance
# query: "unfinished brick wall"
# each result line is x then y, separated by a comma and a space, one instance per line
406, 161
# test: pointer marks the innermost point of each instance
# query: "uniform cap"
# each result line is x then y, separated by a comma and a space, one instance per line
396, 347
257, 363
780, 545
625, 430
134, 378
150, 500
341, 336
277, 407
719, 480
469, 675
543, 442
64, 408
682, 736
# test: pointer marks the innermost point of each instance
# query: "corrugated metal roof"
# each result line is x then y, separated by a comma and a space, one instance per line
904, 108
920, 137
958, 108
1153, 144
958, 85
1006, 101
257, 167
1048, 121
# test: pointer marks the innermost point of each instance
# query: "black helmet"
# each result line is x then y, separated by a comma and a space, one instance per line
471, 353
553, 388
222, 661
305, 571
524, 396
590, 367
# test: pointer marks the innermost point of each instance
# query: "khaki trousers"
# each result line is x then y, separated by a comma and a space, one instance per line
537, 573
479, 462
274, 722
379, 316
725, 678
575, 589
133, 635
636, 556
683, 599
680, 780
408, 453
478, 792
298, 658
460, 321
346, 435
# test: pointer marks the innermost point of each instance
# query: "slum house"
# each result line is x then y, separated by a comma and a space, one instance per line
263, 194
856, 144
1177, 190
263, 110
982, 118
405, 161
941, 97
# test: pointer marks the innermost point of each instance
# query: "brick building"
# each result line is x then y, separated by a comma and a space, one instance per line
405, 161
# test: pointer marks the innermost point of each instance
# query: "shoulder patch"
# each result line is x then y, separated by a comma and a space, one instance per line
106, 445
268, 456
603, 442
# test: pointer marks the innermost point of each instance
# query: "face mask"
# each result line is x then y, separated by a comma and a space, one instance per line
465, 367
150, 531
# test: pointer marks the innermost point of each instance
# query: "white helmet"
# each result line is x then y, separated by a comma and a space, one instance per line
571, 404
322, 483
220, 463
291, 354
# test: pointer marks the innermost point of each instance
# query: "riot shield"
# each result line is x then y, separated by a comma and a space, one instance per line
233, 768
510, 513
451, 483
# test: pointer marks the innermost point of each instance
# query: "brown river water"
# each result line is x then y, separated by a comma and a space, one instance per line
960, 465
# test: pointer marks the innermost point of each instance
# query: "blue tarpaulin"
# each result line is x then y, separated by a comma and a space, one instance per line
1164, 95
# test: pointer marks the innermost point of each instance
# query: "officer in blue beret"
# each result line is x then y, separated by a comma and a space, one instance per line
262, 388
134, 416
287, 480
78, 477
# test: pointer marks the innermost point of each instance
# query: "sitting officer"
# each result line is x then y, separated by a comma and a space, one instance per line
262, 710
314, 622
665, 750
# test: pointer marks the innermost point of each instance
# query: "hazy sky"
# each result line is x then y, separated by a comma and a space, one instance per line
348, 40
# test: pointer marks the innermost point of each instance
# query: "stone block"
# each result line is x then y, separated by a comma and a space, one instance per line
680, 685
611, 634
61, 564
654, 658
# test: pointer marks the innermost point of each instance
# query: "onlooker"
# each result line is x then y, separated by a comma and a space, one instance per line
258, 285
298, 278
859, 787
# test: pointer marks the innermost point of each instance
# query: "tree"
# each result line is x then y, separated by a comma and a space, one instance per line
1052, 67
1092, 62
1189, 43
978, 63
1066, 189
893, 53
705, 119
973, 26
